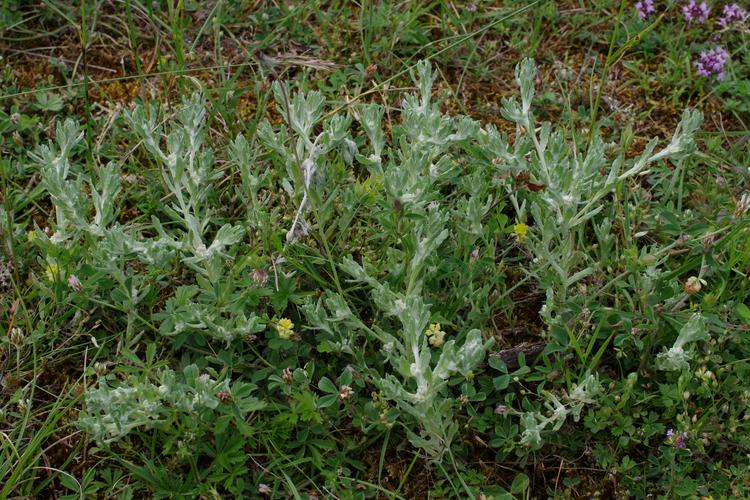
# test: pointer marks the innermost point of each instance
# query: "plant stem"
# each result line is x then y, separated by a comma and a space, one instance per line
607, 63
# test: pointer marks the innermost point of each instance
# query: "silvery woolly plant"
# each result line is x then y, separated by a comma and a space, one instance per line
677, 357
187, 168
66, 182
177, 403
534, 422
412, 175
211, 308
112, 412
304, 154
419, 364
574, 183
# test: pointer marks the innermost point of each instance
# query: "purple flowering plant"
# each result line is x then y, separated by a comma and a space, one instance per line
732, 14
711, 62
677, 440
695, 11
645, 8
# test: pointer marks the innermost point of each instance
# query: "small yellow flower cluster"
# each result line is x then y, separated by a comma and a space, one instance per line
521, 230
285, 328
52, 271
379, 402
435, 334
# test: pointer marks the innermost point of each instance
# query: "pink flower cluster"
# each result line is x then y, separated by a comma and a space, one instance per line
732, 14
711, 62
695, 11
645, 8
675, 439
699, 12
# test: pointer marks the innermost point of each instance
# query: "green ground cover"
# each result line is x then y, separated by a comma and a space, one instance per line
376, 249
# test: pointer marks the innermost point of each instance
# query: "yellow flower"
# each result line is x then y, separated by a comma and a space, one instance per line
435, 334
521, 230
52, 271
437, 339
31, 236
285, 328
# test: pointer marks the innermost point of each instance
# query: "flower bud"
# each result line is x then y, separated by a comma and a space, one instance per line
224, 396
74, 283
693, 285
475, 254
345, 392
260, 277
100, 369
17, 338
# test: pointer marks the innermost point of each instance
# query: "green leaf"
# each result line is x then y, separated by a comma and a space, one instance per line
327, 401
520, 484
306, 407
325, 346
150, 353
686, 487
743, 312
346, 377
222, 423
326, 385
498, 364
501, 382
69, 482
49, 102
497, 493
